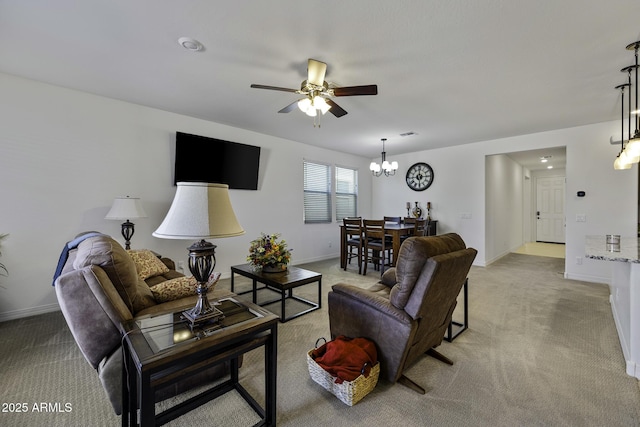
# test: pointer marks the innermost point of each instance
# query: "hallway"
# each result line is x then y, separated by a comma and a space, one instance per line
554, 250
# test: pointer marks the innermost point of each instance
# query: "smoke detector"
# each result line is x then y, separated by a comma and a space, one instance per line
190, 44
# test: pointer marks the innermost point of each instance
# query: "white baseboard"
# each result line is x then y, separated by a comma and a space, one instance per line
27, 312
587, 278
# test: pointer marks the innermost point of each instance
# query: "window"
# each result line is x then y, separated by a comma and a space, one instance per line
346, 193
317, 193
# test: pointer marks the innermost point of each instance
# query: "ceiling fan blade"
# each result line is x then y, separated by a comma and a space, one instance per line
356, 90
315, 72
336, 110
283, 89
289, 107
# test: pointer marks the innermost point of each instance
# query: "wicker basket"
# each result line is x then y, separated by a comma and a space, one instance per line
349, 392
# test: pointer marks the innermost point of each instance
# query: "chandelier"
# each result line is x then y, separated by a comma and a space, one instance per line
629, 152
388, 169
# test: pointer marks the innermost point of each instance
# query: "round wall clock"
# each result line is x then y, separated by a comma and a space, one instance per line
419, 177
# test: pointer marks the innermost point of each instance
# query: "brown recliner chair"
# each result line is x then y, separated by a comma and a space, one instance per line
407, 313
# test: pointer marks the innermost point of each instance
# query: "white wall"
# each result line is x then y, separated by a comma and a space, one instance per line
504, 206
65, 155
459, 188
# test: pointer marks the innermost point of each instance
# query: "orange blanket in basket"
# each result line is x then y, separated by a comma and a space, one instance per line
344, 357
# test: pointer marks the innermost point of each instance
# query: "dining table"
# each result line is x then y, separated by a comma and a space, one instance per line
396, 231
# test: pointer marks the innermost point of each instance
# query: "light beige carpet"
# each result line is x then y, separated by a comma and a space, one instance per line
540, 351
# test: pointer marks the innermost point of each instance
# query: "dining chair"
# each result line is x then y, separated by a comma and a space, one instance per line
427, 227
393, 219
354, 238
376, 248
409, 220
419, 229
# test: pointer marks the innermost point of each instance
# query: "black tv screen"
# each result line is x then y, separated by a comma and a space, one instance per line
203, 159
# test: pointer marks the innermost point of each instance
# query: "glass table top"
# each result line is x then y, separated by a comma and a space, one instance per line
167, 330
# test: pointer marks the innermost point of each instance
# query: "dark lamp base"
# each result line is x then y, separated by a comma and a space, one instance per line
202, 261
196, 319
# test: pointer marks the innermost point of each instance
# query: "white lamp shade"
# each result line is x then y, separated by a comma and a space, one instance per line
320, 103
126, 208
633, 148
200, 211
304, 104
374, 167
619, 164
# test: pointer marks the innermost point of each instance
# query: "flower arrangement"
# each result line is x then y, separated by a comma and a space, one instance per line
268, 251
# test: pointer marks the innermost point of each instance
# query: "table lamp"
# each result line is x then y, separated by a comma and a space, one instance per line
126, 208
200, 211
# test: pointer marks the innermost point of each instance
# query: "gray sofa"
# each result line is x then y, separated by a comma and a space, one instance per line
98, 288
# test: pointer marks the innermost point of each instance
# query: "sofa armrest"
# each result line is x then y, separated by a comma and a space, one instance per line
169, 263
93, 310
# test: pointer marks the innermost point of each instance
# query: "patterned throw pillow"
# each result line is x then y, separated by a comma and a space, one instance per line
173, 289
147, 264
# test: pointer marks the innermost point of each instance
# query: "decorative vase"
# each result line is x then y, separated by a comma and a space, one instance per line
274, 268
417, 211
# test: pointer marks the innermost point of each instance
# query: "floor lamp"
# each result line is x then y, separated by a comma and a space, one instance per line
200, 211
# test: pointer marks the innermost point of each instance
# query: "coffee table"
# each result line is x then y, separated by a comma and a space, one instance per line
161, 350
283, 282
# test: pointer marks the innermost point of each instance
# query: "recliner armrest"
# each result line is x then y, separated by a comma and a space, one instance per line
371, 299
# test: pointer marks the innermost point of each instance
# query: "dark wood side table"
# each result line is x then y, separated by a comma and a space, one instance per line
283, 282
162, 350
462, 326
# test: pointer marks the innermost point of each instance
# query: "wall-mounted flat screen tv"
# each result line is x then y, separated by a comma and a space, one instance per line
203, 159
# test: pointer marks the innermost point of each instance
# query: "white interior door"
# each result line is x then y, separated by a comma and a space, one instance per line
550, 224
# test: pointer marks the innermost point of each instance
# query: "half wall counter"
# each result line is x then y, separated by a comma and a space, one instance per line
624, 292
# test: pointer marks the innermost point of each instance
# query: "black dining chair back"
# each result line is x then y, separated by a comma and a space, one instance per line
376, 247
393, 219
354, 240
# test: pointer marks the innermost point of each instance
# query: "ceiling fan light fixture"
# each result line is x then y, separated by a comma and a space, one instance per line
319, 103
304, 104
318, 93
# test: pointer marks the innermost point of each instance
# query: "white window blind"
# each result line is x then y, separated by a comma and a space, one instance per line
317, 193
346, 192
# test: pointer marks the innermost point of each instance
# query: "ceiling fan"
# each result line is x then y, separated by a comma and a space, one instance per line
318, 93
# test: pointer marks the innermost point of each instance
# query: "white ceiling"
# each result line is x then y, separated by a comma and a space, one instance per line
452, 71
556, 158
